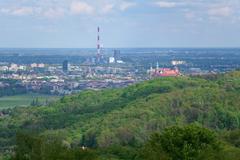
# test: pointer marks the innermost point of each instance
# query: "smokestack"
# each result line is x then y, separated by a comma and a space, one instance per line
98, 43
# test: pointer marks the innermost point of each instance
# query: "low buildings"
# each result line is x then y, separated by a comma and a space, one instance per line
165, 72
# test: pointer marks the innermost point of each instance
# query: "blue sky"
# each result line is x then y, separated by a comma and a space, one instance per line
124, 23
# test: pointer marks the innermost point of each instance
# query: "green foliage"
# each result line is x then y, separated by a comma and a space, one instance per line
181, 143
30, 147
126, 117
89, 139
232, 137
118, 152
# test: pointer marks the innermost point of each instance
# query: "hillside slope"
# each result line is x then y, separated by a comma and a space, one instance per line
128, 116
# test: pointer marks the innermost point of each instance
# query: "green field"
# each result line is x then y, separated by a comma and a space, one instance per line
24, 100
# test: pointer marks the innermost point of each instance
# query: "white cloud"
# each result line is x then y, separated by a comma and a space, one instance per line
79, 7
222, 11
64, 8
22, 11
166, 4
34, 11
54, 13
107, 8
125, 5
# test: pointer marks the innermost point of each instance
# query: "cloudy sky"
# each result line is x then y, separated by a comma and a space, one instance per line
124, 23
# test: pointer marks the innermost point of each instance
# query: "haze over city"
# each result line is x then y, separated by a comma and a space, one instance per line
124, 23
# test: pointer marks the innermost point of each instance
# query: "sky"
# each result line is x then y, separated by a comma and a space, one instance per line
123, 23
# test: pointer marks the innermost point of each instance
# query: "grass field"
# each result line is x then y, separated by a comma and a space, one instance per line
24, 100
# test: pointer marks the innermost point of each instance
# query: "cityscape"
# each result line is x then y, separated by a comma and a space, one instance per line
63, 75
119, 80
52, 73
78, 72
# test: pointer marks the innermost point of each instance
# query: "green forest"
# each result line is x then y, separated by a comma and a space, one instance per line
177, 118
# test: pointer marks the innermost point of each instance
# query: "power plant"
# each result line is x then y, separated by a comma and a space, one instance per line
99, 53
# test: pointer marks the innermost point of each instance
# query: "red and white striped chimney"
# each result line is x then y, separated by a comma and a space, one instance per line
98, 43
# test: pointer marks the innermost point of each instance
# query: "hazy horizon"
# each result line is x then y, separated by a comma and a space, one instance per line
2, 48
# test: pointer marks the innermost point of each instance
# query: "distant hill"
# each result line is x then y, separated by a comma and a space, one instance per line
128, 116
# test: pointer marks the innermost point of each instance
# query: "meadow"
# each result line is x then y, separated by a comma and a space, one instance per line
25, 100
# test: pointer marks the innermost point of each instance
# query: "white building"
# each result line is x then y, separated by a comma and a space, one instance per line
175, 63
13, 67
41, 65
120, 61
22, 67
34, 65
111, 60
3, 68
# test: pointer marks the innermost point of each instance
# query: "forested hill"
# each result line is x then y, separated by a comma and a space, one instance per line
130, 115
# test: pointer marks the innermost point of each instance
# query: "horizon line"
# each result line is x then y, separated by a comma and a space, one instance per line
204, 47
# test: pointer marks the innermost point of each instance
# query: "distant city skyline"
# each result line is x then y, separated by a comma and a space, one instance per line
124, 23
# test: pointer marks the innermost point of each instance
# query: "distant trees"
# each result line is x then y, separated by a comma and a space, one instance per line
32, 147
11, 87
190, 142
89, 139
35, 102
180, 143
232, 137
